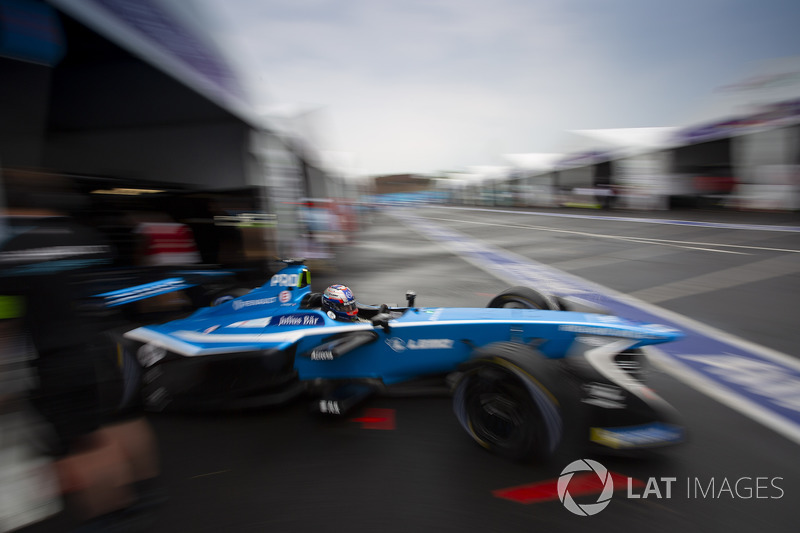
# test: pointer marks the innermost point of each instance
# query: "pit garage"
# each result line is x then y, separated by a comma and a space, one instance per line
130, 100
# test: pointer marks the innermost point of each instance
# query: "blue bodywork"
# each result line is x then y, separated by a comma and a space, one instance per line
414, 342
276, 343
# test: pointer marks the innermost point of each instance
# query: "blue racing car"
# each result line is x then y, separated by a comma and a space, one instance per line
520, 370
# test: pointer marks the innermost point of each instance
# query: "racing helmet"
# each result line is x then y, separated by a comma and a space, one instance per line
339, 303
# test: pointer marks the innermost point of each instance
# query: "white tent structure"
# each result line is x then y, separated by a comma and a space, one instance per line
624, 142
534, 163
533, 178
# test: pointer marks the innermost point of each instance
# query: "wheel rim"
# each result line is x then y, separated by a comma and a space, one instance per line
498, 413
514, 304
499, 417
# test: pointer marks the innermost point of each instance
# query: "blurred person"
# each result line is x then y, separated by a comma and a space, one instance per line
29, 489
104, 460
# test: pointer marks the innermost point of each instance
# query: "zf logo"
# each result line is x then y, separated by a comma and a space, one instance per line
587, 509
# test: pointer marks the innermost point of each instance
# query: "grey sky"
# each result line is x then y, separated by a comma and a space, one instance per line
421, 86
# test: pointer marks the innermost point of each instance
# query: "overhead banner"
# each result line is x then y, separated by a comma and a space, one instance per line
768, 116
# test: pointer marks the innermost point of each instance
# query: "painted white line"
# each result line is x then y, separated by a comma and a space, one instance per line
703, 246
662, 221
646, 240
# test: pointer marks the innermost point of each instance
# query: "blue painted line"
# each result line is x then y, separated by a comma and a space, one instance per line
754, 380
672, 222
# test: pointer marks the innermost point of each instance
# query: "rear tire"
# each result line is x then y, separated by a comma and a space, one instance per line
506, 400
524, 298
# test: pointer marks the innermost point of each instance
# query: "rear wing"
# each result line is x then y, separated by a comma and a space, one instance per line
142, 292
177, 281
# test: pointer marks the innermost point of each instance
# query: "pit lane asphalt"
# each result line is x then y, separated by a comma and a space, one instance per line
283, 470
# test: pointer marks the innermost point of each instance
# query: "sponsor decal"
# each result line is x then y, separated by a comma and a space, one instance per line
430, 344
321, 355
285, 296
396, 344
400, 345
211, 329
240, 304
329, 407
255, 323
603, 395
435, 313
612, 332
298, 319
642, 436
593, 340
608, 319
284, 280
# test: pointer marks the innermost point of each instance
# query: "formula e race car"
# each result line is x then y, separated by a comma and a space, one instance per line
519, 371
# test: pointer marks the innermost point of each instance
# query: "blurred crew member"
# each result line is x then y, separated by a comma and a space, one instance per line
98, 457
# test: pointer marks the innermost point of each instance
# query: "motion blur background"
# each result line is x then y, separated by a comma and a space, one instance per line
284, 129
221, 114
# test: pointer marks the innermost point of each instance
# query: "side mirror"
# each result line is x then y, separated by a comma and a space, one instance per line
382, 320
410, 297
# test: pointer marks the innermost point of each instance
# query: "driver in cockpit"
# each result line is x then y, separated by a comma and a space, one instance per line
339, 303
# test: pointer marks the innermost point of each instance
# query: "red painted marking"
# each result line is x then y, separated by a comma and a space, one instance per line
377, 419
580, 484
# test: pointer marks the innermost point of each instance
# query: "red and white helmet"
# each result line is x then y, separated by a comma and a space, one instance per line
339, 303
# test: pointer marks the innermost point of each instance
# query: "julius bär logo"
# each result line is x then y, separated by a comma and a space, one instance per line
586, 509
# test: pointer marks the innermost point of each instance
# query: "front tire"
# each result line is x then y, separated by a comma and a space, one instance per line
506, 401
